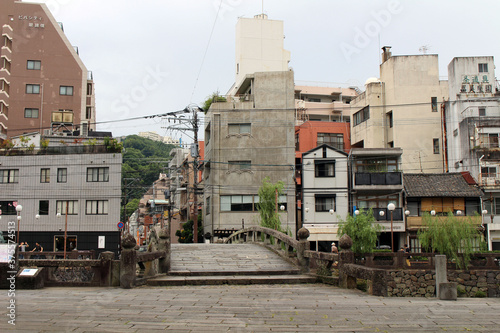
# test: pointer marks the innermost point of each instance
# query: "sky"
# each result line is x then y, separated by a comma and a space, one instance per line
150, 57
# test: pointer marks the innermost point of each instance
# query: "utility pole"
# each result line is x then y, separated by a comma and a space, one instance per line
194, 109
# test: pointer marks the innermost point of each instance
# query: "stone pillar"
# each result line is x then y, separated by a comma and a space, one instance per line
346, 256
441, 272
128, 262
106, 269
303, 234
164, 245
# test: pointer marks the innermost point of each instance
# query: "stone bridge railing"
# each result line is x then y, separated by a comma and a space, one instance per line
280, 243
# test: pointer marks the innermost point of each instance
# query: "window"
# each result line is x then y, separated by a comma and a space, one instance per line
296, 142
361, 116
434, 104
66, 90
314, 100
208, 208
489, 140
455, 132
8, 207
239, 129
435, 145
30, 113
9, 176
5, 64
336, 140
390, 120
7, 42
45, 176
71, 204
89, 89
34, 65
43, 207
4, 108
4, 86
482, 112
324, 203
240, 165
324, 168
62, 175
97, 174
377, 165
483, 68
88, 112
97, 207
236, 203
32, 88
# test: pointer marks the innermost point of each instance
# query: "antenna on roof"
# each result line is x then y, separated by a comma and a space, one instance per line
424, 49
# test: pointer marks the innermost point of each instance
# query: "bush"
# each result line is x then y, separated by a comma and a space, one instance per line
480, 294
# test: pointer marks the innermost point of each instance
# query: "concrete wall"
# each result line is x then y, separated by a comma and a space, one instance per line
269, 147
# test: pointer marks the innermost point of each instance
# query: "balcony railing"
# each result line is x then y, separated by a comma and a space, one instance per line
379, 178
488, 179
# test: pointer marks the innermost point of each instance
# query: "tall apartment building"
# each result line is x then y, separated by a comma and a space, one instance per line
259, 48
472, 126
403, 109
245, 142
44, 84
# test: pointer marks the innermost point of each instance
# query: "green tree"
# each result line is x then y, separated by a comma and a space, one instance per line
268, 192
186, 233
455, 237
215, 97
363, 231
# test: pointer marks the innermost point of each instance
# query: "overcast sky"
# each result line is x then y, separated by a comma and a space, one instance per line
146, 56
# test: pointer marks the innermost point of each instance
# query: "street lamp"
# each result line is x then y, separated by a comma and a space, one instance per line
391, 208
19, 209
433, 212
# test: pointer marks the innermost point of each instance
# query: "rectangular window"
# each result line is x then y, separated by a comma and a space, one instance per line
4, 86
435, 144
5, 64
324, 203
324, 168
9, 176
236, 203
483, 68
32, 88
62, 175
361, 116
89, 89
7, 42
296, 142
97, 174
239, 129
71, 204
335, 140
88, 112
97, 207
482, 112
434, 104
34, 65
390, 120
66, 90
30, 113
43, 207
239, 165
4, 108
8, 208
45, 176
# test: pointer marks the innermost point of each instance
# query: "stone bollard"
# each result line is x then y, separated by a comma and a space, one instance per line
128, 262
164, 245
346, 256
448, 291
303, 234
441, 271
107, 269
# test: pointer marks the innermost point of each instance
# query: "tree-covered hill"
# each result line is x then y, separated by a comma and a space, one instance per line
143, 161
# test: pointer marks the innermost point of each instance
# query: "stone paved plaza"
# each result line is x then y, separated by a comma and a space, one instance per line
254, 308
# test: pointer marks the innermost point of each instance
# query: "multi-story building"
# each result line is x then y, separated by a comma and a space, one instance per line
246, 142
259, 48
377, 181
315, 103
325, 194
44, 84
403, 109
472, 126
70, 187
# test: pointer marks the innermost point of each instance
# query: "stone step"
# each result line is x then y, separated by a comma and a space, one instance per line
233, 272
230, 279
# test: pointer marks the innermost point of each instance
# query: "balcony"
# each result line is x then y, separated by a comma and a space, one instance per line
417, 222
378, 180
489, 180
